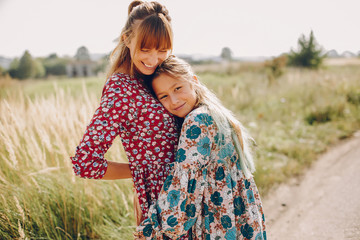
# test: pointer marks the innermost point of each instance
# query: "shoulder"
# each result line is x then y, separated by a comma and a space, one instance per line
199, 116
118, 83
118, 78
199, 121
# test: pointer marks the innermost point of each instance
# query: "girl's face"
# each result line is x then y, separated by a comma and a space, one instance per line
176, 95
147, 60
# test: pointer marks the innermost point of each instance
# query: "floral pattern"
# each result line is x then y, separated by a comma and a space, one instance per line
147, 131
206, 195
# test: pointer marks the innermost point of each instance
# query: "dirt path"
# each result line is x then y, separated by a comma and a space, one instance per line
324, 203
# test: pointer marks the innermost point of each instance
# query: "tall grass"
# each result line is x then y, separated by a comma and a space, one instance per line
287, 118
40, 196
41, 122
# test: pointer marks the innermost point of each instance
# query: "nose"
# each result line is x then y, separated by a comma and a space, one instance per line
173, 99
153, 58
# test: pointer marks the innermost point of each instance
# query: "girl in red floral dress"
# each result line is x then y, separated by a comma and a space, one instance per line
147, 131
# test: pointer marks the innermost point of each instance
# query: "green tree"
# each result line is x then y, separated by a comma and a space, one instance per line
13, 69
2, 71
39, 69
54, 65
309, 54
26, 67
226, 54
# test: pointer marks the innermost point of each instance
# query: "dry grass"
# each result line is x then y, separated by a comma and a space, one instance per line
41, 122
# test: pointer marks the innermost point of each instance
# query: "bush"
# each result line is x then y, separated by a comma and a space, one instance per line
309, 55
353, 97
325, 114
13, 72
275, 68
54, 65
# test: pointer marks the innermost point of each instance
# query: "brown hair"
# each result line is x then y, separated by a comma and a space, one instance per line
149, 24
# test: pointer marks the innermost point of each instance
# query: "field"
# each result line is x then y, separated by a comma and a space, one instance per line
293, 120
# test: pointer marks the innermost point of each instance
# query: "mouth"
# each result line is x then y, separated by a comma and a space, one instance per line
177, 108
149, 66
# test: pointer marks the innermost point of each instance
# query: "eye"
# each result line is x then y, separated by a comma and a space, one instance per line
163, 50
145, 50
178, 88
162, 97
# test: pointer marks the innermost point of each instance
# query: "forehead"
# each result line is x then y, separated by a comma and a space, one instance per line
165, 82
149, 34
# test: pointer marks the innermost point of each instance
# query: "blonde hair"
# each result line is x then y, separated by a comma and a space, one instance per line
149, 24
225, 120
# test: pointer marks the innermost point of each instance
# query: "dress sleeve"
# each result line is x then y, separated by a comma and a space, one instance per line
89, 161
179, 202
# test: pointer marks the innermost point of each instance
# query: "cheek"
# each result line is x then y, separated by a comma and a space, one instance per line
163, 56
137, 56
193, 94
166, 105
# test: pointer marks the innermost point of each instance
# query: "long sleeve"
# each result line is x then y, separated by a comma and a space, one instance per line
180, 201
89, 161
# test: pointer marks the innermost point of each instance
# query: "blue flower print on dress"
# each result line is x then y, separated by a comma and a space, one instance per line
204, 146
226, 151
220, 139
154, 219
226, 222
260, 236
209, 219
183, 204
239, 206
204, 118
190, 210
250, 196
247, 231
230, 182
167, 182
193, 132
219, 175
216, 198
189, 223
173, 198
148, 229
231, 234
191, 186
247, 184
172, 221
180, 155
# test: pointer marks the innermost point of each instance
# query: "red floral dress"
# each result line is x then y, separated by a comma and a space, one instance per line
147, 131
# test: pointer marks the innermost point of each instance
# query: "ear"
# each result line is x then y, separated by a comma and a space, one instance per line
126, 40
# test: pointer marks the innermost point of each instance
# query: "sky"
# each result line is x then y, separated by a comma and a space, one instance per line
250, 28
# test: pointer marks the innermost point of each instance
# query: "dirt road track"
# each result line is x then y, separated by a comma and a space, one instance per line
324, 203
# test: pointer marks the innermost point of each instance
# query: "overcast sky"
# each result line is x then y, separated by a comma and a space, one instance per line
248, 27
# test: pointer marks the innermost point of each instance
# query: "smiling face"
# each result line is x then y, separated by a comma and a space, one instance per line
146, 60
176, 95
149, 44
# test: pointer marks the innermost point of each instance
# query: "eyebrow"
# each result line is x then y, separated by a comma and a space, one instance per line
157, 94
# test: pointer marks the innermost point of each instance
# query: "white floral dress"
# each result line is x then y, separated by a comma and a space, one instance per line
206, 196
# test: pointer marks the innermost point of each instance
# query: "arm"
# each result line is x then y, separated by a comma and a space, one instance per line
180, 201
89, 160
117, 171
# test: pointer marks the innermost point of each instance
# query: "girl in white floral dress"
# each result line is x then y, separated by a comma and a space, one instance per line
210, 193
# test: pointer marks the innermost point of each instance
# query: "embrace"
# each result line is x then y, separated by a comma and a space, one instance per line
189, 157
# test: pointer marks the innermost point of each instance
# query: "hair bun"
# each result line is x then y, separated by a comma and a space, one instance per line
133, 4
161, 9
